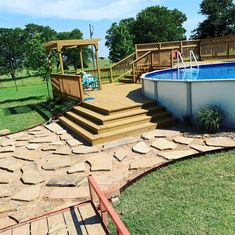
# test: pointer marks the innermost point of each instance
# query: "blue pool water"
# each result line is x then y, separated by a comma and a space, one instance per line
204, 72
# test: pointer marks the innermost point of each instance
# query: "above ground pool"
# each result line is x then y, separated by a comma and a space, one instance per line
184, 91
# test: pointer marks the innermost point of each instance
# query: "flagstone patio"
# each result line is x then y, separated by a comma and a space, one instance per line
45, 168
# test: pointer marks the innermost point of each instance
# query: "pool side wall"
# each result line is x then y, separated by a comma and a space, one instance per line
185, 98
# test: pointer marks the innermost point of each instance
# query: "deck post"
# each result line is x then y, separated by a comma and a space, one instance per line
98, 66
111, 74
81, 57
61, 60
227, 47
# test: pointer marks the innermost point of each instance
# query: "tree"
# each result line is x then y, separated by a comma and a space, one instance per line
71, 56
12, 53
220, 19
159, 24
119, 40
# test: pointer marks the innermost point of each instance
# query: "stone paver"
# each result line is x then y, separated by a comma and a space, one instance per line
49, 148
24, 138
26, 155
53, 127
42, 140
31, 174
65, 181
4, 191
37, 129
4, 132
7, 142
148, 136
204, 148
7, 207
78, 167
55, 163
27, 194
66, 136
147, 162
101, 162
22, 214
118, 143
220, 142
61, 132
85, 149
163, 144
4, 179
73, 142
120, 154
166, 133
81, 192
57, 143
183, 140
21, 143
141, 148
63, 151
10, 164
7, 149
176, 154
33, 146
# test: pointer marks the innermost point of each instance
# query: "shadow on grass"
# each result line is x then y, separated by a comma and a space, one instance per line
38, 108
22, 99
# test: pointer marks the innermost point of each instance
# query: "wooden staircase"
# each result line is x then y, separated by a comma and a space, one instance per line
96, 125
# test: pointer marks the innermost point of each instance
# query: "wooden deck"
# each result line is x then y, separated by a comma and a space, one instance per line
77, 220
118, 96
117, 111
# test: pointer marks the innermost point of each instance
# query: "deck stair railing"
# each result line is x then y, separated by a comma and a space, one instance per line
141, 65
105, 208
121, 68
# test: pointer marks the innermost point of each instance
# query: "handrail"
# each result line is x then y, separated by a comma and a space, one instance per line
192, 56
179, 57
119, 62
141, 57
106, 207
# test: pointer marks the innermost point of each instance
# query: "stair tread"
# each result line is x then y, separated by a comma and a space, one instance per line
127, 113
119, 122
92, 137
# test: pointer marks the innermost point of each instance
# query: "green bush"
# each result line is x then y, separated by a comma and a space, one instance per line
210, 119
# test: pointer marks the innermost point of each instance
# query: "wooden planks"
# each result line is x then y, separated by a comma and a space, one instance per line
39, 227
91, 220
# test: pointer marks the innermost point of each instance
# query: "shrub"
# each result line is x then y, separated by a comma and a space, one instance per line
210, 119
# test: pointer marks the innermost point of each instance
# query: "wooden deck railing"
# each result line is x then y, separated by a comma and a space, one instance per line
67, 85
121, 68
105, 208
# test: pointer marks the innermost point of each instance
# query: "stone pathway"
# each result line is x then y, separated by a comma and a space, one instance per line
46, 168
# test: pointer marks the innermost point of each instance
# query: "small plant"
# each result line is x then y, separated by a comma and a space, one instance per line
210, 119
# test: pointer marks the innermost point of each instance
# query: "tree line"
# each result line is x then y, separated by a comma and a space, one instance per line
22, 48
159, 24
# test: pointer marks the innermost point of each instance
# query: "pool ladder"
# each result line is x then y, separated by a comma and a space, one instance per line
180, 59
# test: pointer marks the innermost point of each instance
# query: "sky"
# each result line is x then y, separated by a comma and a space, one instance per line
65, 15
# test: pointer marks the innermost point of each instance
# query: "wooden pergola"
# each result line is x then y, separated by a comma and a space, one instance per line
75, 43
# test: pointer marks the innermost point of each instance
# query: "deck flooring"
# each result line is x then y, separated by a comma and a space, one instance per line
117, 96
76, 220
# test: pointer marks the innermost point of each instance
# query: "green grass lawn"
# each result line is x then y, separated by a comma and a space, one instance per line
27, 107
189, 197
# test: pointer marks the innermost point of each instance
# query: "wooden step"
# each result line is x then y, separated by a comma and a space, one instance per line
104, 111
103, 119
119, 123
126, 80
115, 134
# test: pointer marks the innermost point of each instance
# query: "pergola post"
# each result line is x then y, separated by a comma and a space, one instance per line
81, 58
61, 60
97, 65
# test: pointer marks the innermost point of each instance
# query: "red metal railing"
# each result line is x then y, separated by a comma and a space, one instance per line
105, 208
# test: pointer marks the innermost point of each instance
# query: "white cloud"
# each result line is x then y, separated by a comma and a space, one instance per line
77, 9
